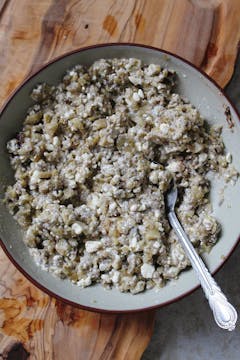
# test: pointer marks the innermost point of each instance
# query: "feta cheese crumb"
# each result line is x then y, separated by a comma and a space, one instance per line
147, 271
92, 246
136, 97
77, 228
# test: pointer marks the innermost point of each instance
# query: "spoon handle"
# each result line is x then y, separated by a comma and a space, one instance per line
224, 313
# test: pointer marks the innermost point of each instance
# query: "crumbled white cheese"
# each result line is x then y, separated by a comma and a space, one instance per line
164, 128
116, 276
153, 69
92, 246
147, 271
141, 94
35, 178
154, 176
175, 166
77, 228
136, 97
85, 282
135, 80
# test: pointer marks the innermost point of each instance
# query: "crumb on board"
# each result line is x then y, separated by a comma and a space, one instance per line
228, 115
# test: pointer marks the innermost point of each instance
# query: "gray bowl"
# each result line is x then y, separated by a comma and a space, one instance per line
211, 102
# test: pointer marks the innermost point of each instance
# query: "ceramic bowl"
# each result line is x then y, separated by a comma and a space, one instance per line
211, 102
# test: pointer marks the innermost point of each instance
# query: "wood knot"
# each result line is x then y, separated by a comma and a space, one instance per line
15, 352
212, 50
14, 323
110, 24
69, 315
140, 22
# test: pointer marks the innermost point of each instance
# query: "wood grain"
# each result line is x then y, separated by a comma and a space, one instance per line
50, 329
32, 32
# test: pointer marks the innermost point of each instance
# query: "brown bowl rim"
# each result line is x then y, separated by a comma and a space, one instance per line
19, 267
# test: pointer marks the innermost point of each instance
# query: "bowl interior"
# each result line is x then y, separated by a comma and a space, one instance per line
211, 103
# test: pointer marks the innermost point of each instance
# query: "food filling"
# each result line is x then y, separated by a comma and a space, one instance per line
93, 162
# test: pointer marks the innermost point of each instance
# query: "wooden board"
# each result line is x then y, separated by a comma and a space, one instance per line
32, 32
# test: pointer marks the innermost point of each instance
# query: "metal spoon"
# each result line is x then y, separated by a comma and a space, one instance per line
224, 313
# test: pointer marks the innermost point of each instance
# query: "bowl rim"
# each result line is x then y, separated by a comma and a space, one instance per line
5, 105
